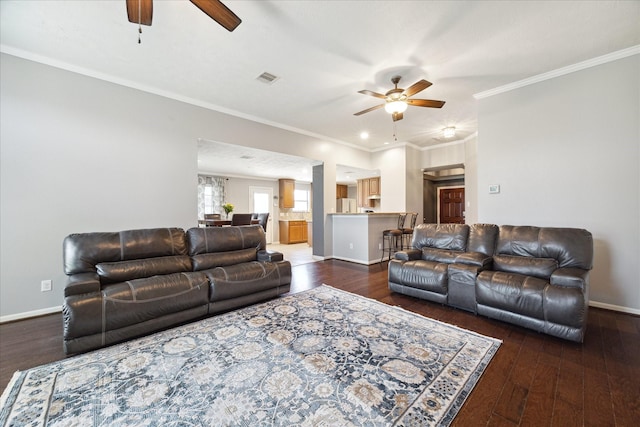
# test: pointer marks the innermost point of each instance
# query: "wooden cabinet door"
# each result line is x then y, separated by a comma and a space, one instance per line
295, 232
374, 186
363, 193
342, 191
287, 187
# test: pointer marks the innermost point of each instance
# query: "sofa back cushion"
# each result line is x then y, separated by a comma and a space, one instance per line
115, 272
527, 266
569, 247
212, 247
482, 238
452, 237
82, 252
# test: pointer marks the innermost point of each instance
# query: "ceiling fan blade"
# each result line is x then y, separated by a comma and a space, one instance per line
417, 87
140, 11
368, 109
219, 13
425, 103
397, 116
376, 94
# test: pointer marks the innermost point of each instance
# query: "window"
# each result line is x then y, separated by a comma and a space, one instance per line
301, 201
211, 195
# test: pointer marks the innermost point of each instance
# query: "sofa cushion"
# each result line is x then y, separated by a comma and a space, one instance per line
114, 272
225, 239
420, 274
571, 247
451, 237
220, 259
237, 280
82, 252
527, 266
440, 255
482, 238
511, 292
122, 304
140, 300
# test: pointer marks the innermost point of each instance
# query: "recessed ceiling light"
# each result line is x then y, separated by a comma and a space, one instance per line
364, 135
449, 132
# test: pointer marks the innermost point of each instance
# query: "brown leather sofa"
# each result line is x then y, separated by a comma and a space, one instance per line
534, 277
130, 283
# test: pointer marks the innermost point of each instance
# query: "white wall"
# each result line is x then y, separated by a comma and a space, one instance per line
391, 164
566, 153
79, 154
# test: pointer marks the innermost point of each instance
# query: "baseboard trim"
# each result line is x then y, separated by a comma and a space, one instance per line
28, 314
613, 307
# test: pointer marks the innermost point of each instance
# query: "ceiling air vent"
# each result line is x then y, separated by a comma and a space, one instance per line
267, 78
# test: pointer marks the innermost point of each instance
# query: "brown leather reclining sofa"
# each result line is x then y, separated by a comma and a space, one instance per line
130, 283
534, 277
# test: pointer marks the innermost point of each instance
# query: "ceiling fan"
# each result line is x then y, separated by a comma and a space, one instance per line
141, 12
397, 100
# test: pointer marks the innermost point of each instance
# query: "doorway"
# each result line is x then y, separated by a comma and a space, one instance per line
261, 201
434, 180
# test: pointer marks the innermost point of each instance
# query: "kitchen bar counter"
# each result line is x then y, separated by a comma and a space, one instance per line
357, 237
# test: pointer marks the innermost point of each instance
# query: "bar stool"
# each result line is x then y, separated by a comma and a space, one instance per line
407, 233
392, 239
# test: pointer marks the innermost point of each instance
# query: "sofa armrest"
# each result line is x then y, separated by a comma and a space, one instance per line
408, 255
475, 259
270, 256
82, 283
570, 278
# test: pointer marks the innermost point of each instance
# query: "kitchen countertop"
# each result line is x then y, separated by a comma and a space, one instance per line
365, 213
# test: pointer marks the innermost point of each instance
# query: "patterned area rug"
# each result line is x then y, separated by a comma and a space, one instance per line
323, 357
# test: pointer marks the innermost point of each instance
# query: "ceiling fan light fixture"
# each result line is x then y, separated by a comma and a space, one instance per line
395, 107
449, 132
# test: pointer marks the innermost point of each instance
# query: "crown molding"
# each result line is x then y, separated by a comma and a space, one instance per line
610, 57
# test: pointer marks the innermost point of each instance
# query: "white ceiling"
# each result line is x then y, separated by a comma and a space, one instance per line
324, 52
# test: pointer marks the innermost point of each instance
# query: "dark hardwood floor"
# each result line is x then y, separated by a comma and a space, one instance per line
534, 379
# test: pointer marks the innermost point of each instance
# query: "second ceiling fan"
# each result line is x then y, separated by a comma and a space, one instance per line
141, 12
397, 100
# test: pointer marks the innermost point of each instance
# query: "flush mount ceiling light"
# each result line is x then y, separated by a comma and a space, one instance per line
364, 135
449, 132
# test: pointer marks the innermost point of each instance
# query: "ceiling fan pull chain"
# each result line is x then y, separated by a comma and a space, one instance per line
139, 21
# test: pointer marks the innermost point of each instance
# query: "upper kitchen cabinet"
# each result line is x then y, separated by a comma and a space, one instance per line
368, 191
374, 186
287, 188
342, 191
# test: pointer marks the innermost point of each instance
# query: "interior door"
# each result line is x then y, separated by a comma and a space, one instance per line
452, 205
260, 201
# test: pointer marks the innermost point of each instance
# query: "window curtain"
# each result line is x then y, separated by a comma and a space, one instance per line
211, 195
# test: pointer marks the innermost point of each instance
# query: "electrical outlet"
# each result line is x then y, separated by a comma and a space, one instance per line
45, 285
350, 245
380, 246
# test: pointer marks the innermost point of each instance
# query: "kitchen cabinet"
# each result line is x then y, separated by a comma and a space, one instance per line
293, 231
342, 191
368, 187
286, 188
374, 186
